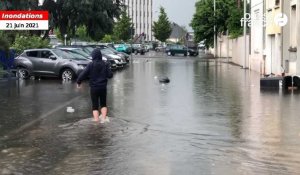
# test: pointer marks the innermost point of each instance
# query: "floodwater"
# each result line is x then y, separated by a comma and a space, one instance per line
212, 118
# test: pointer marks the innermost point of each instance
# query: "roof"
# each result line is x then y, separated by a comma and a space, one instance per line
177, 31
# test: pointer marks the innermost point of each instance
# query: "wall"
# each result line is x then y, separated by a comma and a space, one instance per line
224, 47
239, 51
235, 48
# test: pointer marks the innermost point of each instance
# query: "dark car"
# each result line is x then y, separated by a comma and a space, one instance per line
105, 58
193, 51
86, 49
139, 49
110, 55
123, 55
50, 62
172, 50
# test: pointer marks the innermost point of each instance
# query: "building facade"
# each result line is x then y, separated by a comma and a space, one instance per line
257, 57
141, 14
290, 37
274, 44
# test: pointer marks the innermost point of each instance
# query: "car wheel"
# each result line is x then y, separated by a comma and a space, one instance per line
22, 73
169, 53
185, 54
189, 54
67, 74
173, 54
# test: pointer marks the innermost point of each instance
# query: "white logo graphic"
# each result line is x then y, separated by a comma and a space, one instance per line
281, 19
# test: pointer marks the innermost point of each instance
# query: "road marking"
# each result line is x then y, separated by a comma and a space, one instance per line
28, 125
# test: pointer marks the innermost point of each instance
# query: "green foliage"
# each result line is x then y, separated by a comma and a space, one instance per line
97, 15
4, 44
162, 28
81, 33
29, 42
227, 16
108, 39
233, 22
122, 29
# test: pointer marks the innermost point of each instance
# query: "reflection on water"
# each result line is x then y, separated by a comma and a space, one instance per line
212, 118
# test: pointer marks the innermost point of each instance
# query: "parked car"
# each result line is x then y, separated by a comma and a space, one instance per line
123, 55
49, 62
113, 63
193, 51
126, 48
110, 55
139, 49
172, 50
160, 49
87, 49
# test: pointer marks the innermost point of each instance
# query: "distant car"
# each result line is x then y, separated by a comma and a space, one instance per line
193, 51
160, 49
87, 49
172, 50
124, 48
121, 54
201, 45
110, 55
49, 62
139, 49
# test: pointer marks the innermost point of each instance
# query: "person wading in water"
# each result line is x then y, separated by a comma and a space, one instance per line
98, 73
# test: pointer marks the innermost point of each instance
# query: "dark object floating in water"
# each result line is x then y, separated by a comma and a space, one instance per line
164, 80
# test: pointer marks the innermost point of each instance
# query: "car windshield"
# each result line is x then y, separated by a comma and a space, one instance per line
81, 52
111, 49
88, 49
66, 55
76, 55
106, 51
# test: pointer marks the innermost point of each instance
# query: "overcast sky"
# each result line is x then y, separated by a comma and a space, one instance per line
178, 11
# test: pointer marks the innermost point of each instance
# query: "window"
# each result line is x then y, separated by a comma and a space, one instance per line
32, 53
46, 54
277, 2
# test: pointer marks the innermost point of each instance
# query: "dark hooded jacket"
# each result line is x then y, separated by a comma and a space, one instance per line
97, 71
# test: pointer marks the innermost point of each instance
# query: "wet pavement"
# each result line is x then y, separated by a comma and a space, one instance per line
212, 118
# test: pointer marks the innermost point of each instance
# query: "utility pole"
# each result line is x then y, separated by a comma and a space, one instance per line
215, 31
245, 35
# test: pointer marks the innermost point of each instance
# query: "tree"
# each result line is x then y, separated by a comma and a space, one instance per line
227, 17
81, 33
123, 27
97, 15
162, 28
108, 39
4, 44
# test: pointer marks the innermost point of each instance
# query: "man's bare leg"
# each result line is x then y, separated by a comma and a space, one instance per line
104, 112
96, 115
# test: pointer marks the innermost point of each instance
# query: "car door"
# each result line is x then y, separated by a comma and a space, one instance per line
37, 62
48, 66
181, 49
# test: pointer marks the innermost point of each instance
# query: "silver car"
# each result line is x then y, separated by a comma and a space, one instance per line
50, 62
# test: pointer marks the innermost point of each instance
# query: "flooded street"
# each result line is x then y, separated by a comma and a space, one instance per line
212, 118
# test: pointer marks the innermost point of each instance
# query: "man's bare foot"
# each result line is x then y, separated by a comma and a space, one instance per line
96, 119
